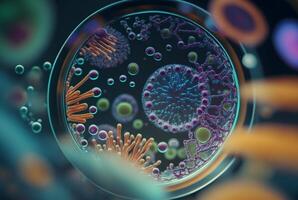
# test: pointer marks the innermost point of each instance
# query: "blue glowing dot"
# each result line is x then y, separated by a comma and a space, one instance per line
110, 81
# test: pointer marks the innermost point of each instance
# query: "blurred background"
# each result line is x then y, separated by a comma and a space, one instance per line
31, 164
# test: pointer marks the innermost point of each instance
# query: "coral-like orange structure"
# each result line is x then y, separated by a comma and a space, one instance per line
132, 149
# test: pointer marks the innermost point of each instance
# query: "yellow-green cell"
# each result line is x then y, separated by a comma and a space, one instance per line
103, 104
138, 124
181, 153
154, 147
192, 57
205, 155
191, 149
202, 134
171, 154
133, 68
124, 109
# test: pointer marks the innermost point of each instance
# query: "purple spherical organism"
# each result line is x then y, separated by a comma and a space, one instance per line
286, 41
93, 129
172, 101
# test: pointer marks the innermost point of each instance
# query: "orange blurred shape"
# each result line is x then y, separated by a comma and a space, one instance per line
35, 171
273, 144
278, 92
241, 190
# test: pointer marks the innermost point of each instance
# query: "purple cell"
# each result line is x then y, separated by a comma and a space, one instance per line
80, 128
150, 51
93, 109
96, 92
102, 135
93, 129
285, 40
162, 147
239, 18
93, 74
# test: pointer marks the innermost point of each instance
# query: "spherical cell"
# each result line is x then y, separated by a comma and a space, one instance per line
36, 127
239, 20
80, 128
165, 33
157, 56
181, 153
132, 84
93, 129
93, 110
202, 134
138, 124
171, 154
174, 142
133, 68
285, 40
192, 57
249, 60
150, 51
110, 81
122, 78
191, 39
103, 104
124, 108
102, 135
47, 66
19, 69
172, 97
162, 147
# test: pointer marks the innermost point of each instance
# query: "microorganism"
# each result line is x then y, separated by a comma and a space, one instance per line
124, 108
103, 104
173, 96
286, 41
240, 20
106, 48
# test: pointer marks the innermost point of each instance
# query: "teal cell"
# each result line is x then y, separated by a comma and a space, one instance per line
47, 66
78, 71
132, 84
110, 81
169, 47
36, 127
19, 69
80, 61
24, 110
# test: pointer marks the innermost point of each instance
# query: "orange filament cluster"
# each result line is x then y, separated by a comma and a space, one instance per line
101, 44
74, 97
132, 149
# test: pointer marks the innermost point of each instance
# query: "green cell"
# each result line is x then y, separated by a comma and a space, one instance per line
181, 153
205, 155
202, 134
103, 104
227, 106
124, 109
133, 69
154, 147
165, 33
191, 39
192, 57
138, 124
191, 148
171, 154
